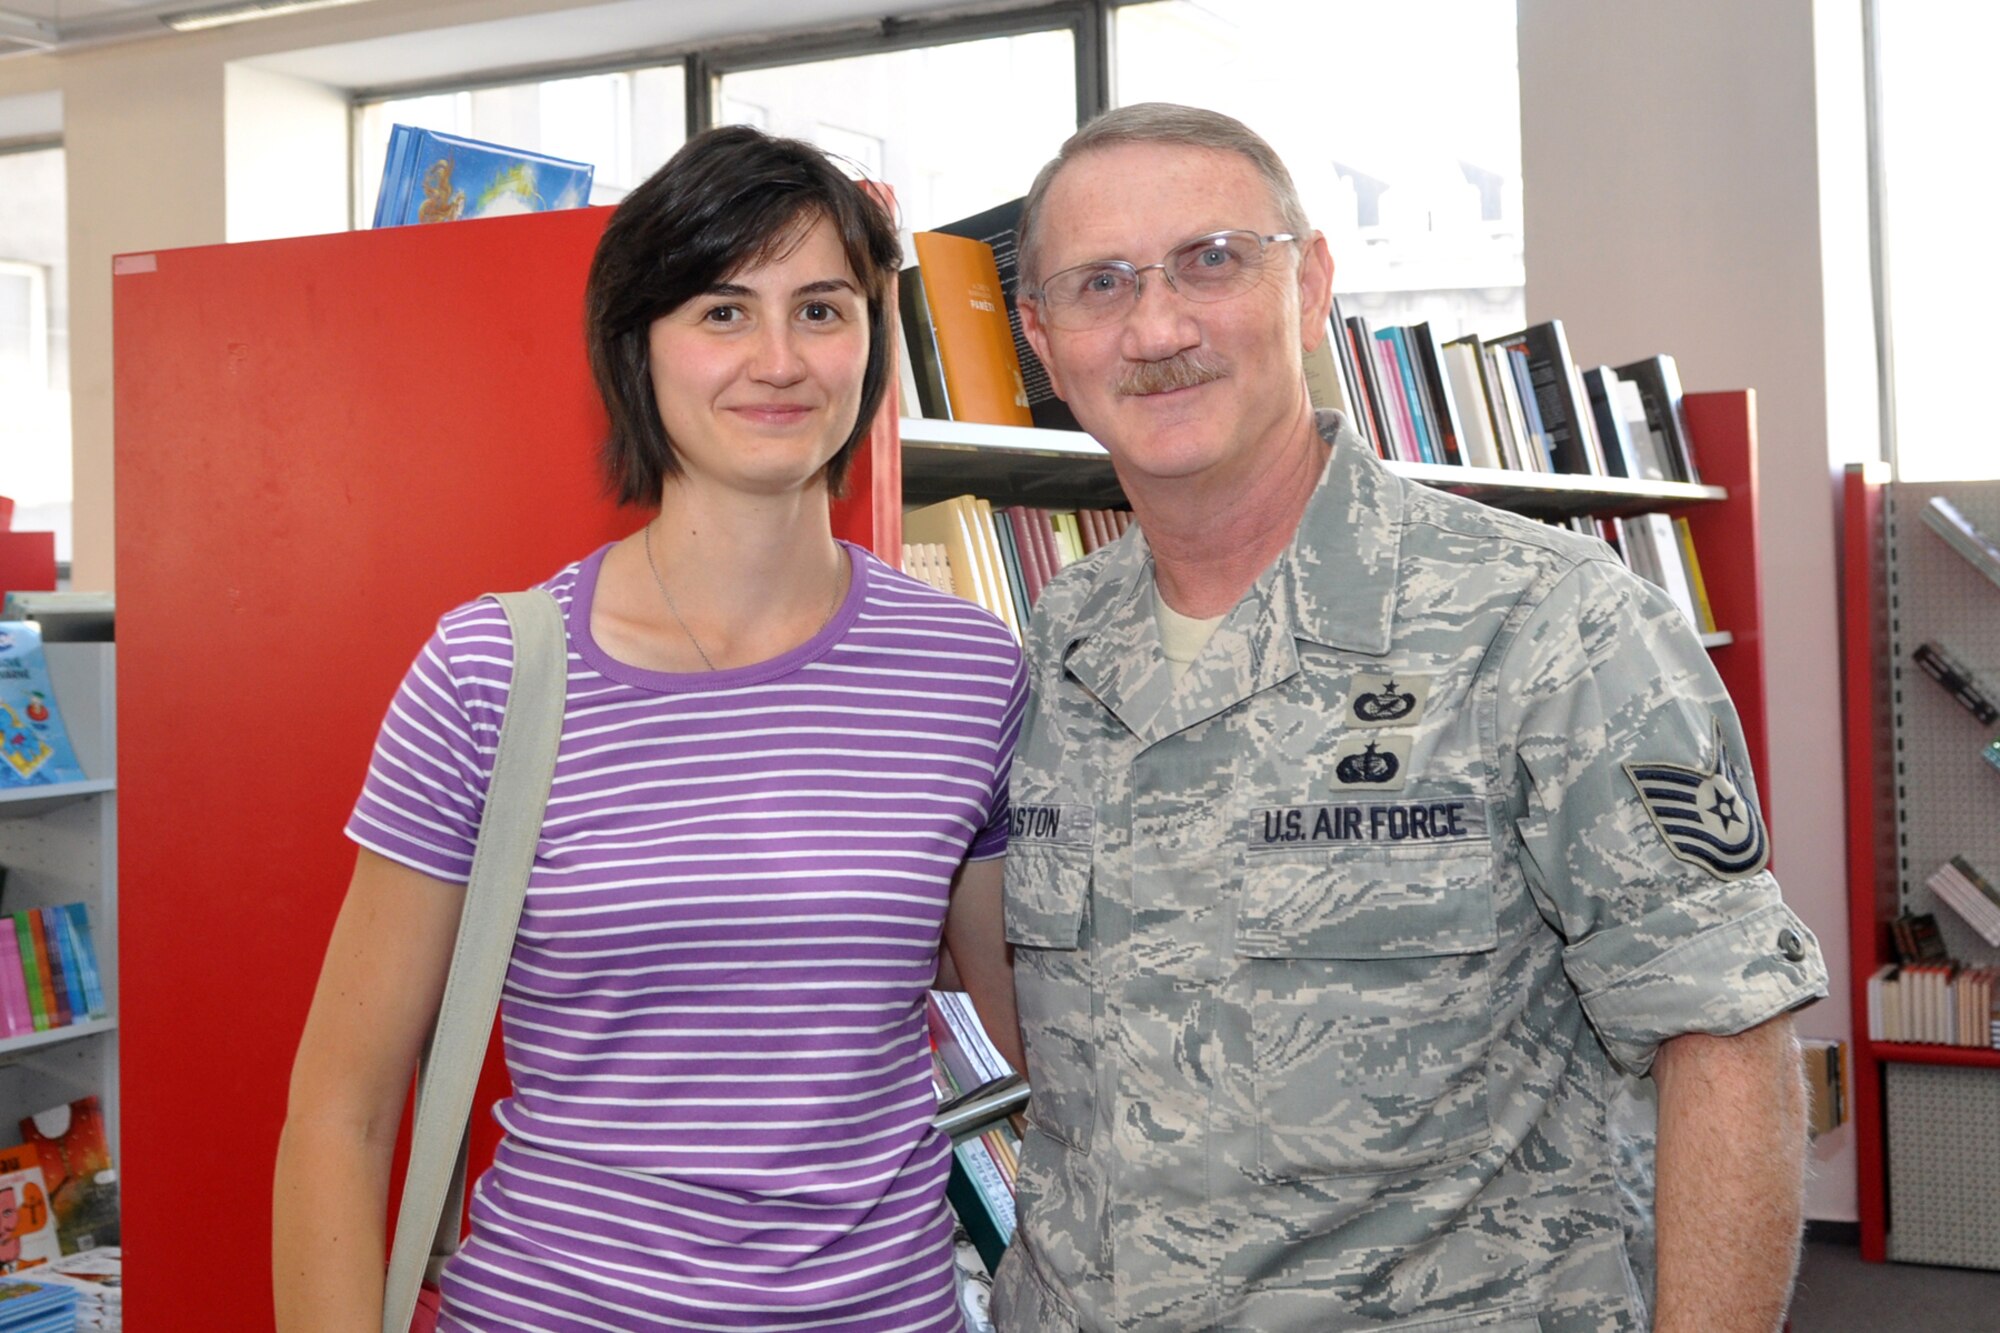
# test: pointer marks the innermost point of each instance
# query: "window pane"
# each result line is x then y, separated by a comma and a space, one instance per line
1944, 273
625, 124
907, 117
34, 343
1400, 123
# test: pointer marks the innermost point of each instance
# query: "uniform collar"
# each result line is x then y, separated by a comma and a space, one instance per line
1334, 585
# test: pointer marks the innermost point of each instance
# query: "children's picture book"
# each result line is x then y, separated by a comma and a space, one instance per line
431, 176
33, 741
75, 1158
27, 1225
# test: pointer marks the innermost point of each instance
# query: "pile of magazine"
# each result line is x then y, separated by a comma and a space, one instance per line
31, 1307
93, 1277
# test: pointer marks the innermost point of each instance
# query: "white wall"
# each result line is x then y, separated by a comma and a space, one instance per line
1676, 202
285, 163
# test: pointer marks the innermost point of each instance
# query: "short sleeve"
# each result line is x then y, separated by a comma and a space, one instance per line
1641, 835
433, 758
991, 840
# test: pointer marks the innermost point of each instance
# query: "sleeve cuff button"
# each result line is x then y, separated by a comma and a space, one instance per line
1791, 946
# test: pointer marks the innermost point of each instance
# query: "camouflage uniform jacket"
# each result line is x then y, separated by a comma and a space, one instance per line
1340, 964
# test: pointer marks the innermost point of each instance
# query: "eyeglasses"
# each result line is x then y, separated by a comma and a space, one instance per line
1209, 268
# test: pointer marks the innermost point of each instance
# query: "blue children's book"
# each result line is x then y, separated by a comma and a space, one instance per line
33, 742
431, 176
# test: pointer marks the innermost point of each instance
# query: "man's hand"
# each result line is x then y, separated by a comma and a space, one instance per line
1731, 1177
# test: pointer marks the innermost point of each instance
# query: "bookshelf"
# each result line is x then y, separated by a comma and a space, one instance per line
60, 845
322, 443
1917, 792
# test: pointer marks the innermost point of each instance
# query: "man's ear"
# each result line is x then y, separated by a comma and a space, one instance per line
1037, 335
1315, 290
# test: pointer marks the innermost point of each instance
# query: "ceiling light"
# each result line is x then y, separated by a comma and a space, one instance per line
220, 16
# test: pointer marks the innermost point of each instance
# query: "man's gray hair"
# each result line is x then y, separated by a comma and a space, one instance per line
1164, 123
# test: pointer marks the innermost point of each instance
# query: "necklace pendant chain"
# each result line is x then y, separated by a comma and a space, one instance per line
832, 605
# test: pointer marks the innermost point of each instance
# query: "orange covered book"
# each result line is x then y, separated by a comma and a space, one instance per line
982, 372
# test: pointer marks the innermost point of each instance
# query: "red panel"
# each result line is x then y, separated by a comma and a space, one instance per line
1723, 427
27, 560
1871, 890
322, 444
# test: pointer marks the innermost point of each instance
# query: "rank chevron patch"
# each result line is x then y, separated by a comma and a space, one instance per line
1705, 817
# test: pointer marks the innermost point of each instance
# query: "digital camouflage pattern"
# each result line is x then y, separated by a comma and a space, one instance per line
1341, 963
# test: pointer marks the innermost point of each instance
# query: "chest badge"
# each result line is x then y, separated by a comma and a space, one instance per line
1705, 816
1372, 761
1387, 700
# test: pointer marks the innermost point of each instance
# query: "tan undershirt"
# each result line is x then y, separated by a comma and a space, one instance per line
1181, 637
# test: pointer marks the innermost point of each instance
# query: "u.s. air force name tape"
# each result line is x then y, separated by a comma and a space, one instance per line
1444, 819
1062, 825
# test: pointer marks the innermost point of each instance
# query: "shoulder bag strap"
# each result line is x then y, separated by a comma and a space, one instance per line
427, 1224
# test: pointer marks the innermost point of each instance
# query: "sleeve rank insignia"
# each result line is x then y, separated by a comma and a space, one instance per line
1705, 817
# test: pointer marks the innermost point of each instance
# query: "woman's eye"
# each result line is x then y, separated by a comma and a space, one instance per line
819, 312
722, 314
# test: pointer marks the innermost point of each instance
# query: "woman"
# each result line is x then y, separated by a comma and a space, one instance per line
782, 774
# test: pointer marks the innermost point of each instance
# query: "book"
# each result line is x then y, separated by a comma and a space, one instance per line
982, 372
33, 740
980, 1197
1368, 371
932, 399
16, 1017
1403, 369
1447, 426
1943, 517
1614, 434
997, 227
1958, 886
1684, 533
32, 1306
1466, 366
75, 1156
54, 999
430, 176
946, 524
27, 1225
1658, 381
84, 943
31, 974
1552, 396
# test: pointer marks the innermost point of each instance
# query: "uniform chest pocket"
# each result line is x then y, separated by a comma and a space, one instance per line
1047, 900
1370, 1007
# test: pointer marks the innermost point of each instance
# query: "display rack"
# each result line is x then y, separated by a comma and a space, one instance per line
1917, 793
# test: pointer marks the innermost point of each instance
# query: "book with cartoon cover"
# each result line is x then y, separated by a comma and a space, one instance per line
431, 176
33, 741
27, 1224
75, 1158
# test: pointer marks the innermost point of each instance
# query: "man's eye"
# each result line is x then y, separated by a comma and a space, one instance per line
1101, 282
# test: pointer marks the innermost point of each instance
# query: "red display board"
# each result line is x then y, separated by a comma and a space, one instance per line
322, 444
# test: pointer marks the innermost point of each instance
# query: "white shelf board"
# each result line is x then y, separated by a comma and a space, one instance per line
20, 802
14, 1047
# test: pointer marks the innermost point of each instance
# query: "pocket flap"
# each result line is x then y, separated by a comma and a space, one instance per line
1047, 889
1364, 904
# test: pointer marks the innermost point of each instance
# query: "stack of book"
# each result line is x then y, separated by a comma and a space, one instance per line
49, 976
1927, 997
30, 1307
1968, 893
976, 1091
1002, 558
1517, 401
96, 1277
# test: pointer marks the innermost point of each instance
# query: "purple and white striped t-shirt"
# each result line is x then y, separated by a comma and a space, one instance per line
714, 1013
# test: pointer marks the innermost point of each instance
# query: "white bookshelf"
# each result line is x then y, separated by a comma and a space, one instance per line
60, 845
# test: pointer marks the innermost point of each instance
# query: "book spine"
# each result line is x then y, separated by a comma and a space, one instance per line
78, 919
14, 1012
49, 955
973, 1214
56, 922
991, 1183
31, 973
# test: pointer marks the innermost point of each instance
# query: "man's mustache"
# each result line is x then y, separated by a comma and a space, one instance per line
1183, 370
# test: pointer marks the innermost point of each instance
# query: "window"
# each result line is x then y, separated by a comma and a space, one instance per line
34, 343
625, 124
1400, 124
954, 129
1941, 271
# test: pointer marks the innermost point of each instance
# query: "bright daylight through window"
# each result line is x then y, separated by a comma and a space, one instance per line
34, 343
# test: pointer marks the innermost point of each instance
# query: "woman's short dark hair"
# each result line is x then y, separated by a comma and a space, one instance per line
730, 199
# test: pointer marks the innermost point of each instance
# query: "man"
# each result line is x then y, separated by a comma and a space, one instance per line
1354, 927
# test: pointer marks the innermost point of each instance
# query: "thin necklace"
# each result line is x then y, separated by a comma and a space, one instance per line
832, 601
